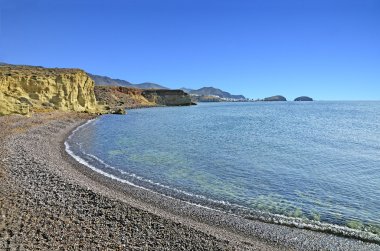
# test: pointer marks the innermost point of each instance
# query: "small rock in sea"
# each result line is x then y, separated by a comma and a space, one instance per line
303, 98
275, 98
118, 111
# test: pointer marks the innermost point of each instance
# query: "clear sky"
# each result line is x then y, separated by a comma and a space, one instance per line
327, 49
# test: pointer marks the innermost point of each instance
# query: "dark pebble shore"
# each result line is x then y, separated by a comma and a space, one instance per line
49, 201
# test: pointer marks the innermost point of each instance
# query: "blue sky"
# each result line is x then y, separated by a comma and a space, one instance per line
327, 49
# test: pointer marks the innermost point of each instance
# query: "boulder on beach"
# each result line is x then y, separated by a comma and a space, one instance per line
275, 98
303, 98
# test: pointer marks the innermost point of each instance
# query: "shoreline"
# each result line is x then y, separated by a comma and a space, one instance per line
38, 155
200, 201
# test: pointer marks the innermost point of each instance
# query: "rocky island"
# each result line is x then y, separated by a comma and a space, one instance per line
303, 98
275, 98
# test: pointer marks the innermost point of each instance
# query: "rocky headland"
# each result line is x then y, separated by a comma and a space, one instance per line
119, 98
204, 94
28, 89
167, 97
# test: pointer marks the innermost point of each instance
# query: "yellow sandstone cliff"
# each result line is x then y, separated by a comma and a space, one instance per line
29, 88
25, 89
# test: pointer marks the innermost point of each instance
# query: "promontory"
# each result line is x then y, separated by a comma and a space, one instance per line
26, 89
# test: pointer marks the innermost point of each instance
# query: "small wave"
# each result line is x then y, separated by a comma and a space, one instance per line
84, 162
238, 210
103, 163
92, 167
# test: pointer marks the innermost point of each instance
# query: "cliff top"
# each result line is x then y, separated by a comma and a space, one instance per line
24, 70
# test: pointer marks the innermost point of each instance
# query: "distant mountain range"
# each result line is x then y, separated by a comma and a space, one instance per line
211, 91
187, 90
209, 94
104, 80
148, 85
205, 91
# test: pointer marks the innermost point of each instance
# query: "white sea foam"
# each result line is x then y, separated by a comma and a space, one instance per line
84, 162
280, 219
92, 167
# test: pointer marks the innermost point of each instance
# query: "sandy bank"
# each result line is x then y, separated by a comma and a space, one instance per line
49, 201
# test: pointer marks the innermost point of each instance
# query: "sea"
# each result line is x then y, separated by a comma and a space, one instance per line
313, 162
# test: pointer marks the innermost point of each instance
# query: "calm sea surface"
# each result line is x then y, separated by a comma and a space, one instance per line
317, 160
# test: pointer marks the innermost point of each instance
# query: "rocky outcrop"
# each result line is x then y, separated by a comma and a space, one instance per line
118, 97
303, 98
168, 97
29, 88
275, 98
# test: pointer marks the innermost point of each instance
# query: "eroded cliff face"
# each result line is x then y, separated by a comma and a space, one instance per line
168, 97
118, 97
28, 88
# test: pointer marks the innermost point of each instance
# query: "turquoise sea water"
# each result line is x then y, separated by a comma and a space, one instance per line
309, 160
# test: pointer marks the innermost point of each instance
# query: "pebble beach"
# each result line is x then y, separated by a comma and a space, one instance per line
49, 201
